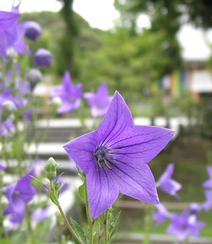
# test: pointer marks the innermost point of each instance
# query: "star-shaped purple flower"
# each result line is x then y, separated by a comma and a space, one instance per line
18, 195
182, 227
208, 183
99, 101
115, 156
161, 214
167, 184
69, 94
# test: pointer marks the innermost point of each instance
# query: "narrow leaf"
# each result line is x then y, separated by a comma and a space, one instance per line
114, 225
79, 232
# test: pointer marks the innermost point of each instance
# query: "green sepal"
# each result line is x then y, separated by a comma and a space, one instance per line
52, 197
82, 192
80, 232
81, 173
114, 225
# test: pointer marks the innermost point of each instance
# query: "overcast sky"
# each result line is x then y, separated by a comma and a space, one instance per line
101, 14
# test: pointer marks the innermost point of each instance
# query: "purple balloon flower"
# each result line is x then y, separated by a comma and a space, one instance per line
208, 183
18, 195
69, 94
98, 101
32, 30
207, 205
167, 184
182, 227
161, 214
115, 156
41, 214
43, 58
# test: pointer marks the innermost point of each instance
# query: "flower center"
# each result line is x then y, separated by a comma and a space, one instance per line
103, 157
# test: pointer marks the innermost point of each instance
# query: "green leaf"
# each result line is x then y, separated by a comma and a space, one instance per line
79, 232
114, 225
80, 173
82, 192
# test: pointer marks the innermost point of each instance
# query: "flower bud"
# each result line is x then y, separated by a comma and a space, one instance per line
7, 108
32, 30
51, 169
43, 58
33, 77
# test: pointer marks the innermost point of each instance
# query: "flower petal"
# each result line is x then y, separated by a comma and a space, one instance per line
81, 151
208, 183
102, 192
16, 207
24, 187
135, 181
116, 120
140, 144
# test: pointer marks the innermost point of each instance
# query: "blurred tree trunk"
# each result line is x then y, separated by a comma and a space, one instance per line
68, 42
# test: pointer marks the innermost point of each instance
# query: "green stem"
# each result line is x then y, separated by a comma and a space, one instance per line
29, 227
68, 224
64, 217
90, 222
105, 228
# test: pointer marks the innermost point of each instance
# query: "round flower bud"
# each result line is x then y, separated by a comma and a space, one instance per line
43, 58
194, 208
51, 169
33, 77
32, 30
7, 108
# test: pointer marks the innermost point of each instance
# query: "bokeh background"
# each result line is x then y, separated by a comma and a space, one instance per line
157, 54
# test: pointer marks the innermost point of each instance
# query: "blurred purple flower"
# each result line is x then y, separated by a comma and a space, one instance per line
207, 205
182, 227
2, 166
37, 167
99, 101
18, 195
41, 214
27, 115
6, 127
167, 184
115, 156
32, 30
208, 183
8, 32
69, 94
161, 214
43, 58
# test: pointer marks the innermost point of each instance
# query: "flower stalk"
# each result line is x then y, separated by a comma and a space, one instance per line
54, 197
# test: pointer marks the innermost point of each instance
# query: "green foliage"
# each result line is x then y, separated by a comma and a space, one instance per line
80, 232
82, 191
114, 225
